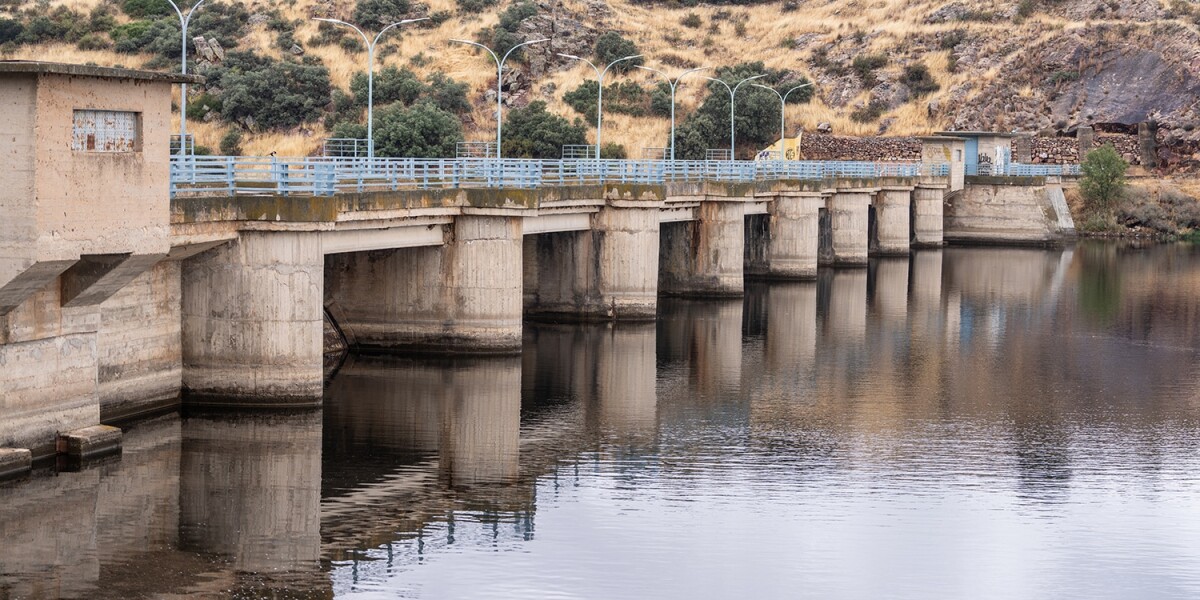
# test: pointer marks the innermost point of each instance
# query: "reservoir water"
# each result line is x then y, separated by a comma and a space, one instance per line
966, 423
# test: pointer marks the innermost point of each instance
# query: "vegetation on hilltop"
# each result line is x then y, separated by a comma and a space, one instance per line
892, 66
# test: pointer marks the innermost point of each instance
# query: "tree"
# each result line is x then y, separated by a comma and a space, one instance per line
231, 143
391, 85
611, 46
420, 131
532, 132
376, 14
1103, 178
267, 94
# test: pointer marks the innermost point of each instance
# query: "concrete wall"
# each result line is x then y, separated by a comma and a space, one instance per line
1004, 210
704, 257
139, 343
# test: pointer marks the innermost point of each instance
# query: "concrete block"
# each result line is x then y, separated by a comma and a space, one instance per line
706, 257
14, 462
891, 231
849, 221
928, 214
90, 442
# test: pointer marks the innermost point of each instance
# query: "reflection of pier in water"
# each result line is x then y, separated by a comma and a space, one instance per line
849, 368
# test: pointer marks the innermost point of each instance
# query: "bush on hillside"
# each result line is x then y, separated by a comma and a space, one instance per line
142, 9
1103, 178
919, 81
266, 94
391, 85
626, 97
532, 132
10, 30
474, 6
866, 65
419, 131
611, 46
504, 37
231, 143
373, 15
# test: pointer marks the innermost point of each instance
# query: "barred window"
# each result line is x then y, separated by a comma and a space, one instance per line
106, 131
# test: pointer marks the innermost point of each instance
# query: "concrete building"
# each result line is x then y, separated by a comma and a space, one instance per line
82, 215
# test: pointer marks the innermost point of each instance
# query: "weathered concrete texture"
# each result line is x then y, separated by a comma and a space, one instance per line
992, 210
14, 462
47, 372
250, 489
95, 278
464, 297
252, 322
140, 352
848, 220
891, 231
786, 248
927, 216
608, 272
90, 442
28, 280
704, 257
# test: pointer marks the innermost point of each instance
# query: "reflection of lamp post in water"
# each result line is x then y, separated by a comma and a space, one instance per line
499, 79
600, 93
674, 84
732, 94
371, 72
782, 111
184, 20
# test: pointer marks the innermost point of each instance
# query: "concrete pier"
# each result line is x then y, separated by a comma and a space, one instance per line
252, 322
609, 272
463, 297
891, 230
928, 209
704, 257
786, 249
848, 219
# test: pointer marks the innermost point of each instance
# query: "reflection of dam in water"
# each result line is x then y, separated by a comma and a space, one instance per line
411, 457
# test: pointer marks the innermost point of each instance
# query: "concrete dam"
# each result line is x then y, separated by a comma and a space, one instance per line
132, 282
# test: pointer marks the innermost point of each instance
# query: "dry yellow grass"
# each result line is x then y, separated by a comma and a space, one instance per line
657, 30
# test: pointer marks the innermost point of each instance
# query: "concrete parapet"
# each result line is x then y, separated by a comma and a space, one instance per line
463, 297
90, 442
607, 272
1009, 210
14, 462
927, 214
891, 228
704, 257
848, 219
252, 322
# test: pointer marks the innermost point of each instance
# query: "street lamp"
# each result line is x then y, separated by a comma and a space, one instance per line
782, 107
600, 93
370, 72
499, 76
732, 93
184, 19
673, 85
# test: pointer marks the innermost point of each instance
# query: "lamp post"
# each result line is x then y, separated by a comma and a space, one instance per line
673, 85
499, 77
732, 93
184, 19
600, 93
371, 72
782, 108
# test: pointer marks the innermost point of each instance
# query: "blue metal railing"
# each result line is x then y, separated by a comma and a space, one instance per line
324, 176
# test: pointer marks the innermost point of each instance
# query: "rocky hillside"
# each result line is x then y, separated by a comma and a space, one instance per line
891, 67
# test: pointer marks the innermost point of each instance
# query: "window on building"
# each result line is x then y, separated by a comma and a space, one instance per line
107, 131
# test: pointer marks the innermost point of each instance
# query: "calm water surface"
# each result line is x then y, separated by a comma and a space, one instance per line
970, 423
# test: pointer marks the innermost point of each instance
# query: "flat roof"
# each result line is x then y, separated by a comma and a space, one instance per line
37, 67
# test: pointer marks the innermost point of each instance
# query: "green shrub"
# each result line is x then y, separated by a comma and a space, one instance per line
626, 97
692, 20
611, 46
420, 131
141, 9
532, 132
475, 6
270, 94
10, 30
94, 41
352, 131
448, 94
919, 81
202, 104
869, 113
231, 143
374, 15
613, 150
1103, 178
865, 66
391, 85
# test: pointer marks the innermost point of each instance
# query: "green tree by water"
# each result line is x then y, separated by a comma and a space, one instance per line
1103, 179
533, 132
420, 131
